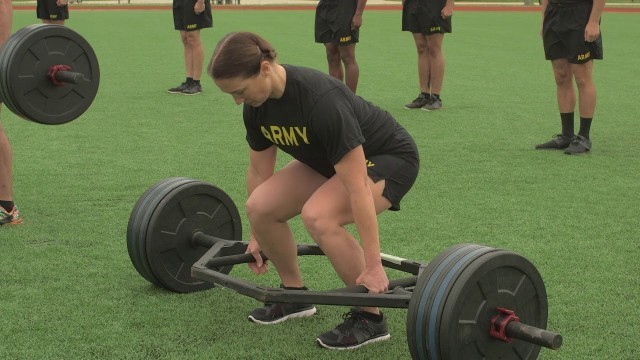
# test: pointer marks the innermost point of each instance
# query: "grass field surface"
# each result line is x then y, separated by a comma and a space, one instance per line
68, 289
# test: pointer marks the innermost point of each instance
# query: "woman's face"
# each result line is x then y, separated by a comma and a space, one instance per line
253, 91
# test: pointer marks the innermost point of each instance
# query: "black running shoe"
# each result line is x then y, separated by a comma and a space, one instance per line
276, 313
193, 89
178, 89
558, 142
579, 145
433, 104
418, 102
354, 332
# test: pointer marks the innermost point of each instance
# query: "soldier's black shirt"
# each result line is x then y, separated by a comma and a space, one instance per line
318, 120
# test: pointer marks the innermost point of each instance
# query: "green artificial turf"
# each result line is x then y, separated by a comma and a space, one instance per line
68, 288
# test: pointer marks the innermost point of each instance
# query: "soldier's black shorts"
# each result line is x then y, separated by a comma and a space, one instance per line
398, 171
418, 19
184, 18
49, 10
563, 34
333, 22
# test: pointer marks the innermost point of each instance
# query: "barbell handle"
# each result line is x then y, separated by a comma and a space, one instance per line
248, 258
70, 77
533, 335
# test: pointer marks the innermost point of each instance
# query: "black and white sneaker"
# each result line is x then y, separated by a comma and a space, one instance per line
178, 89
579, 145
356, 330
418, 102
558, 142
193, 89
435, 103
276, 313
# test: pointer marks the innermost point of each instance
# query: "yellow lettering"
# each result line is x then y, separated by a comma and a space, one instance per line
276, 134
584, 56
303, 134
345, 38
266, 133
370, 164
285, 135
290, 136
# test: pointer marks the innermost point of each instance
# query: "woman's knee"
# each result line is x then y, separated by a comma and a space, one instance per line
192, 38
259, 209
562, 73
316, 223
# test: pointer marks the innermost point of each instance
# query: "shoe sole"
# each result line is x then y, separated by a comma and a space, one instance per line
297, 315
577, 153
370, 341
410, 108
174, 92
198, 93
12, 223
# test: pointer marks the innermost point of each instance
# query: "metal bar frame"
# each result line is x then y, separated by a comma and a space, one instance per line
226, 252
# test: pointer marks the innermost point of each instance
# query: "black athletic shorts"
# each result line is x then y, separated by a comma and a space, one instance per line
426, 20
184, 18
398, 171
49, 10
333, 22
563, 34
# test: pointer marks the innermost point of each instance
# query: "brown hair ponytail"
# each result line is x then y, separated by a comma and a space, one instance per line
240, 54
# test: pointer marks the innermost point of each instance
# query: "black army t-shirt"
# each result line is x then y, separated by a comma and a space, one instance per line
318, 120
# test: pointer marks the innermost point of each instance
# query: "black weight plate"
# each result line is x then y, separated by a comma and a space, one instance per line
498, 279
5, 61
136, 239
415, 329
425, 305
37, 98
187, 209
5, 53
143, 224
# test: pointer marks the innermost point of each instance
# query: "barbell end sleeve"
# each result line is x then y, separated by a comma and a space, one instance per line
534, 335
70, 77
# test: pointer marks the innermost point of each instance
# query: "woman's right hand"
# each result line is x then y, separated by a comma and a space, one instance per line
260, 266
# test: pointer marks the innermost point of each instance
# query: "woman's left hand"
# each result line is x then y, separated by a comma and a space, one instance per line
374, 279
198, 8
447, 11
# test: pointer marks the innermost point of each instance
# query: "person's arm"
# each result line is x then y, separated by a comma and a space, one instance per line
356, 22
592, 30
352, 171
261, 167
198, 8
447, 10
6, 15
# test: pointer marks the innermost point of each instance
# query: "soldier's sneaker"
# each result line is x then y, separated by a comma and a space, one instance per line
10, 217
178, 89
434, 104
354, 332
579, 145
276, 313
558, 142
193, 89
418, 102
